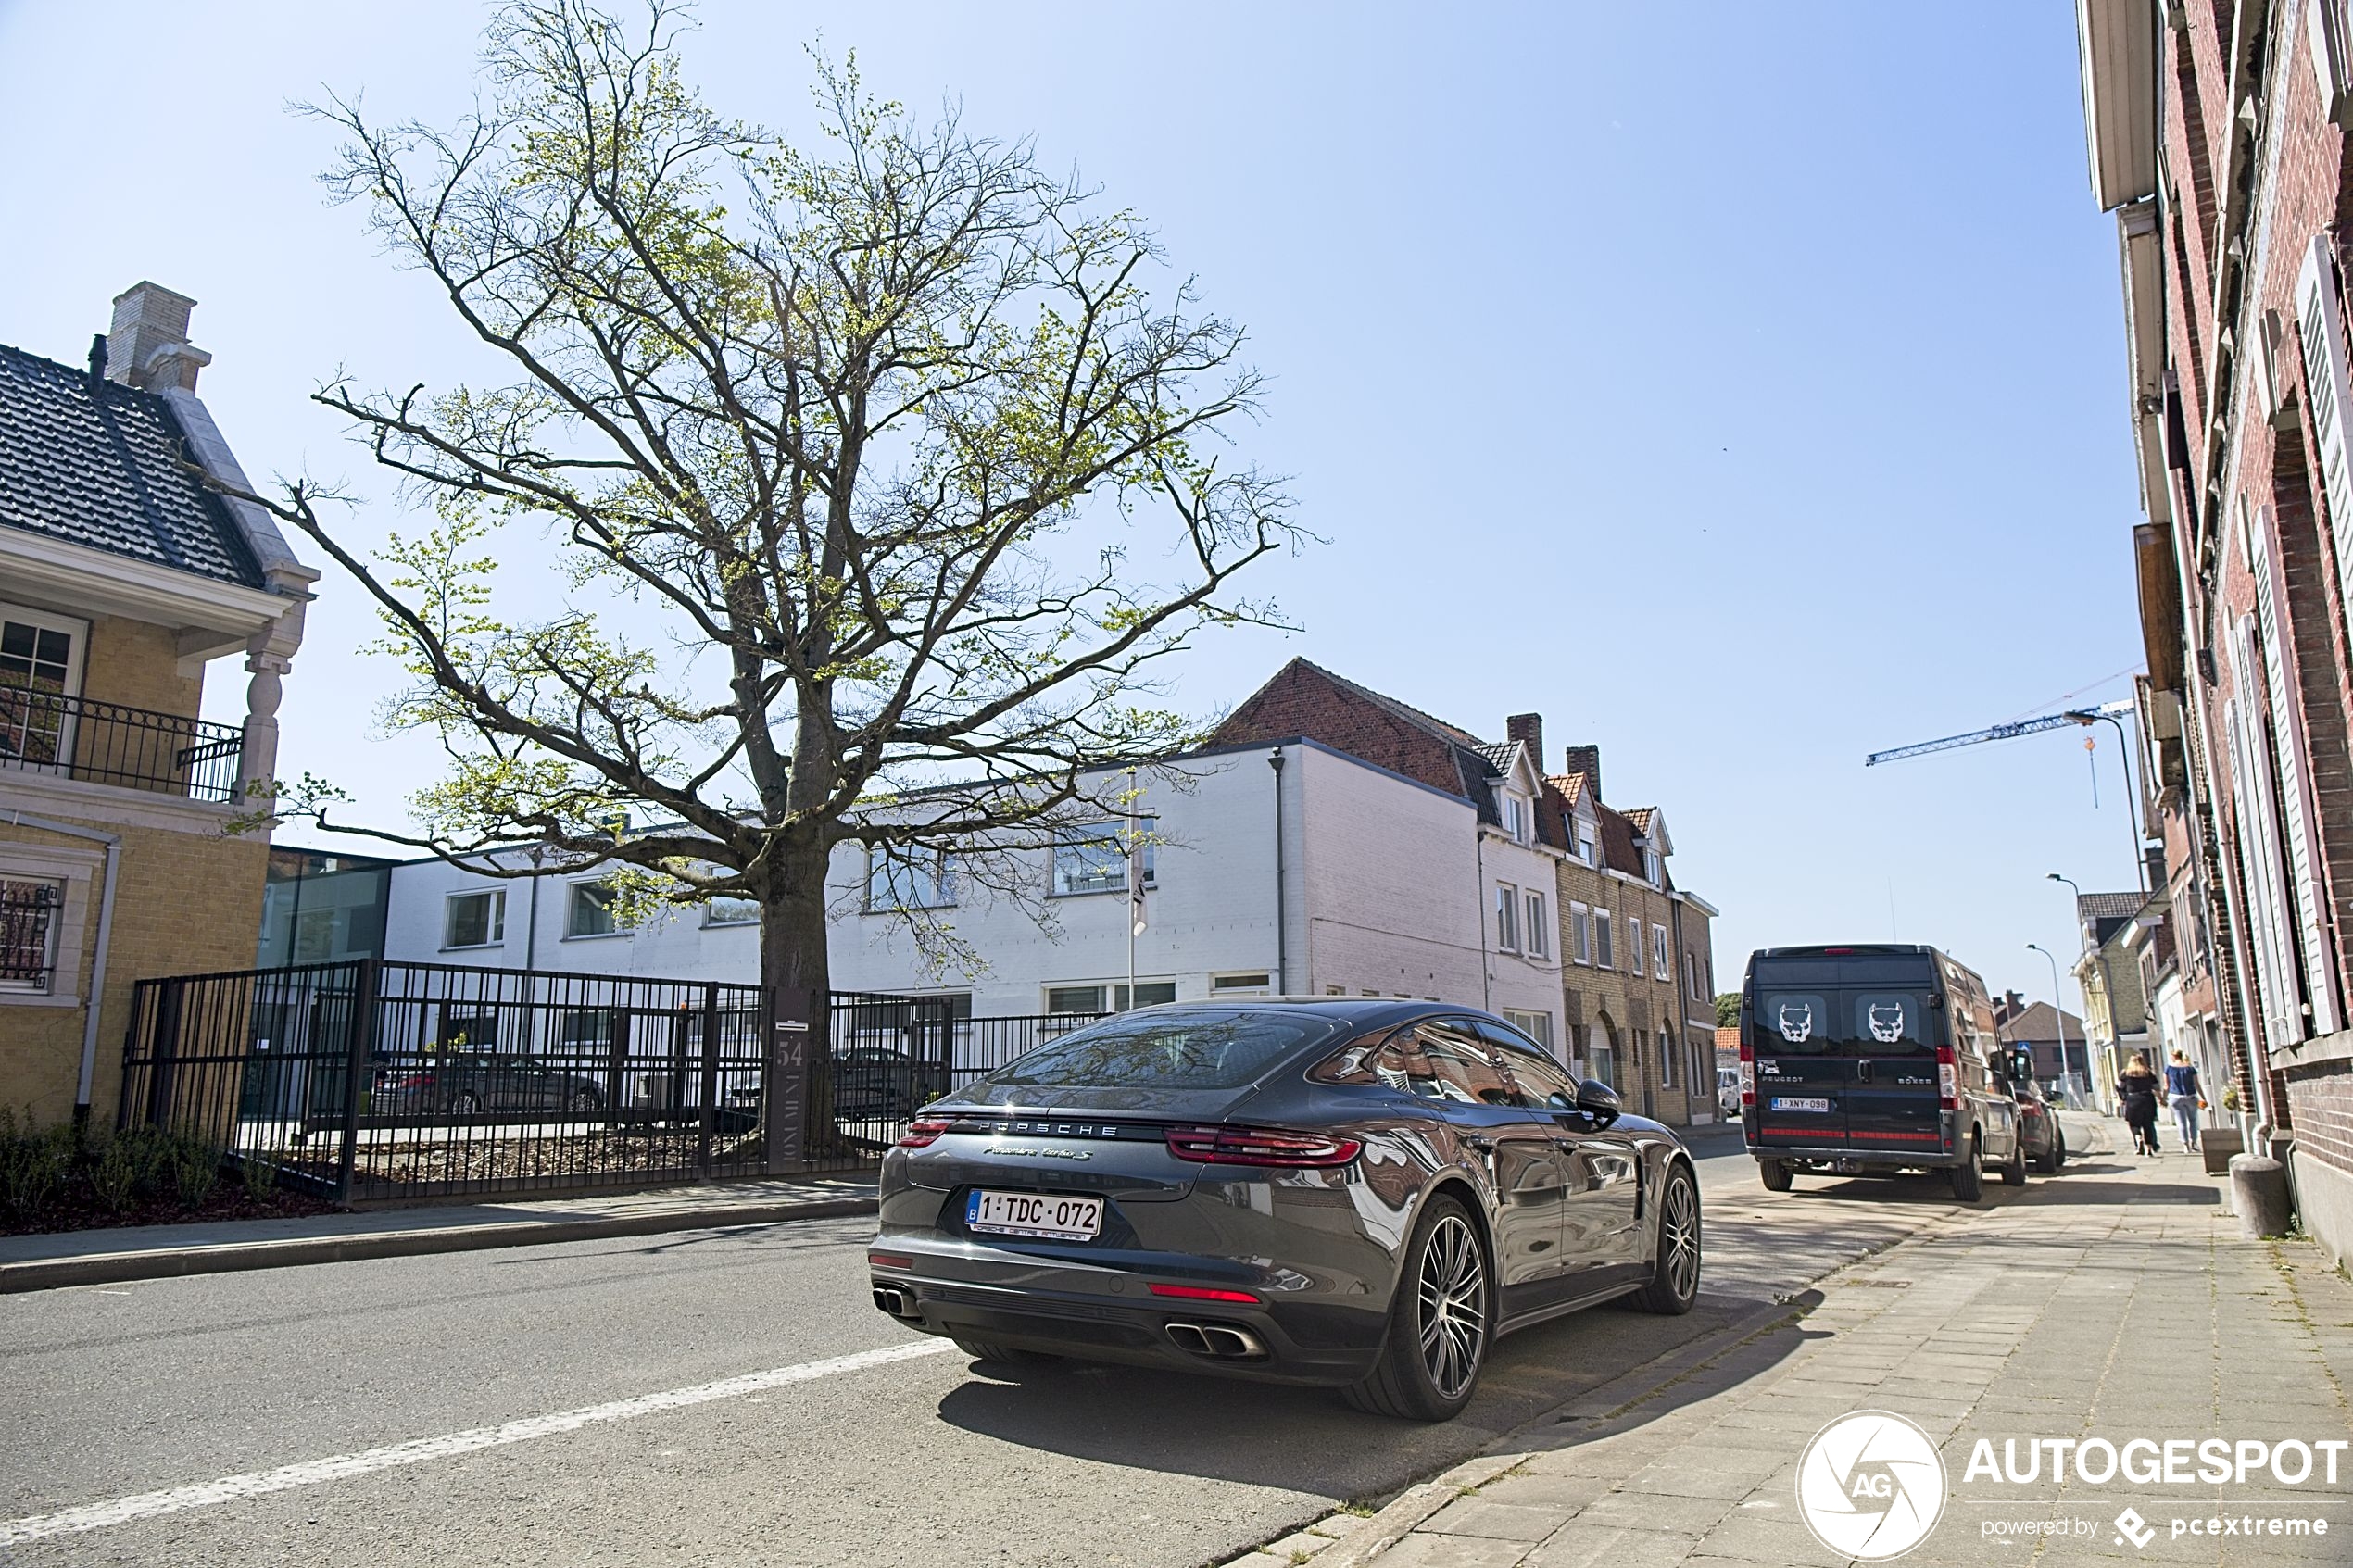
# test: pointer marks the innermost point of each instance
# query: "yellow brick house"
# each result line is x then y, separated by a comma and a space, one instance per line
124, 575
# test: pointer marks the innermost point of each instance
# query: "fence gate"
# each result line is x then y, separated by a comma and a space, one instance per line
373, 1081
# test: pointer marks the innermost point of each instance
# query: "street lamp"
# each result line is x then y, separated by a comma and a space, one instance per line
2058, 1006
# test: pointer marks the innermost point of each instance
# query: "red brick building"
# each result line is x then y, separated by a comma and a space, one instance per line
2218, 138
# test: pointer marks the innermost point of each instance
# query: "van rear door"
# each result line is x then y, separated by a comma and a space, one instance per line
1892, 1103
1803, 1077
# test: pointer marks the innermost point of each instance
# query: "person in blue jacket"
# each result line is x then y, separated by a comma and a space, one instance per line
2184, 1092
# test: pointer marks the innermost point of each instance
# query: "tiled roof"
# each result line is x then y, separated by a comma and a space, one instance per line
2109, 905
1618, 842
2035, 1024
1498, 752
1641, 817
1571, 787
1407, 711
101, 466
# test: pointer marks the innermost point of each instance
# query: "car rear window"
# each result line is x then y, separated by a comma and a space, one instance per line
1218, 1049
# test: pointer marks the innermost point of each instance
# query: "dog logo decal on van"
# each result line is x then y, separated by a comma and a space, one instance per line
1887, 1031
1798, 1030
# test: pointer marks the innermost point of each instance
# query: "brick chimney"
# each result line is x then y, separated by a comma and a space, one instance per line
1528, 730
148, 346
1587, 760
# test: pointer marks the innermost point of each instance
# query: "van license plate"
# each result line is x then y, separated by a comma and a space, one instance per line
1781, 1103
1031, 1213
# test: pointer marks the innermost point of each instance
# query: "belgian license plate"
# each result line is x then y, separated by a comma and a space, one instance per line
1032, 1213
1787, 1103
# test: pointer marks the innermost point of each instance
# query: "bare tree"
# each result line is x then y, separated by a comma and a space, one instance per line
889, 439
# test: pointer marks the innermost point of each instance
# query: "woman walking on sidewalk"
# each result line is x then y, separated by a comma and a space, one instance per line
2136, 1089
2184, 1092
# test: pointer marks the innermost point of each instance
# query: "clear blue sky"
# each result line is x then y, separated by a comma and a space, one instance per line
1740, 386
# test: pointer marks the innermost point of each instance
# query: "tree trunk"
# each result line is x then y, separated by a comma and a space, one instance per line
792, 928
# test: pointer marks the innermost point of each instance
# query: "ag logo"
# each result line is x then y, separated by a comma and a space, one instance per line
1871, 1485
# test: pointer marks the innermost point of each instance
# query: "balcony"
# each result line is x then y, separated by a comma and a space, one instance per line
129, 747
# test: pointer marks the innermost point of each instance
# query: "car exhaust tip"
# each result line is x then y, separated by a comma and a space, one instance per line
1218, 1341
896, 1300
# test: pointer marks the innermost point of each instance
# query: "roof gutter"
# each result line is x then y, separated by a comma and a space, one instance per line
97, 988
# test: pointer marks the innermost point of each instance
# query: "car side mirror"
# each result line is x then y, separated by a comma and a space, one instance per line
1598, 1101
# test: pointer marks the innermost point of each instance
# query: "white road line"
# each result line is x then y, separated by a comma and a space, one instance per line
417, 1450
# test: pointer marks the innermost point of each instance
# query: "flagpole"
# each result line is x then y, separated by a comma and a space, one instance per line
1135, 888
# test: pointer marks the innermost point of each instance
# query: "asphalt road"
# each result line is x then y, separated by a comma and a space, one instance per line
476, 1366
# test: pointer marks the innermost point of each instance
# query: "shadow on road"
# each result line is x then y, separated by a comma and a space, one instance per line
1308, 1440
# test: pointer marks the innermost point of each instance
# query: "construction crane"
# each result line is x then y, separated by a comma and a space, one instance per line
2004, 731
2112, 712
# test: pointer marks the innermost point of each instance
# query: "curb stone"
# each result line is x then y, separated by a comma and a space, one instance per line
115, 1268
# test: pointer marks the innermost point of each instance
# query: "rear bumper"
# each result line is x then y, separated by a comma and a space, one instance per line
960, 1289
1845, 1157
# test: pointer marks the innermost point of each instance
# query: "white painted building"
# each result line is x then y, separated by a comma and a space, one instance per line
1385, 885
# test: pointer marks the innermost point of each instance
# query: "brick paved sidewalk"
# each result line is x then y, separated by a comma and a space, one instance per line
2115, 1301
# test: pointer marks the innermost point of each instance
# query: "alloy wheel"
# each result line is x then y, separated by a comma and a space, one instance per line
1679, 1231
1451, 1295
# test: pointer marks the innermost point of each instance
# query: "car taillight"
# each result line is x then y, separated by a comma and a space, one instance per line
1748, 1075
409, 1081
889, 1260
1258, 1146
1200, 1293
924, 1133
1948, 1080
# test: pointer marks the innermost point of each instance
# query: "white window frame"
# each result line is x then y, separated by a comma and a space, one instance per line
1665, 1059
713, 905
1506, 918
1661, 965
1536, 944
1580, 933
573, 893
1248, 983
496, 925
76, 871
936, 892
1634, 959
1113, 832
52, 932
77, 634
1537, 1026
1605, 956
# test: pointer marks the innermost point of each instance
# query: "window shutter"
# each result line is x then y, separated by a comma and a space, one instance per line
2288, 752
2259, 843
2321, 320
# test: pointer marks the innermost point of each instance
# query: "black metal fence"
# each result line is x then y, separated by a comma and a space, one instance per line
108, 743
377, 1081
881, 1058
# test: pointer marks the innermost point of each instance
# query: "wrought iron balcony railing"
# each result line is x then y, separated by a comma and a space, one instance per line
106, 742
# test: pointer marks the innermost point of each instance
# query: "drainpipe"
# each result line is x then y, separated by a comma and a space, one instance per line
1274, 760
97, 991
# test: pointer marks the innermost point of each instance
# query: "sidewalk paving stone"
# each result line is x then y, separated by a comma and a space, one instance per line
2104, 1303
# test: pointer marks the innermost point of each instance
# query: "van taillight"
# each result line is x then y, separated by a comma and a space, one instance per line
1748, 1075
1948, 1080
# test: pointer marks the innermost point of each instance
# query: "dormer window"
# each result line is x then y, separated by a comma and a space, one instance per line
1515, 817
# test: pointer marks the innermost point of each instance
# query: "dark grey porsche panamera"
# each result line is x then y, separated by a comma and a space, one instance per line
1359, 1192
